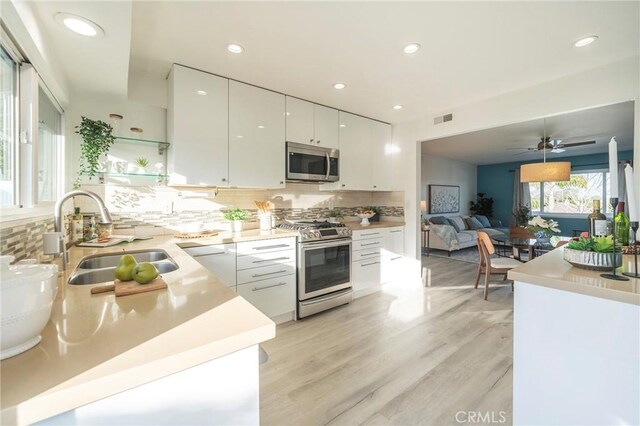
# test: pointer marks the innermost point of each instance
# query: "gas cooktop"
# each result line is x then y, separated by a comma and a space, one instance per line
316, 230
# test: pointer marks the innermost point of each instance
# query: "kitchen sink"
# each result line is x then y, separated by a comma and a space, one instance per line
98, 269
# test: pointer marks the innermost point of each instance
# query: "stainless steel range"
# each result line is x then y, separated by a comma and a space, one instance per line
324, 269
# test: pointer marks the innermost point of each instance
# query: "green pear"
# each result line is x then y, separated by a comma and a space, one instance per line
124, 270
144, 273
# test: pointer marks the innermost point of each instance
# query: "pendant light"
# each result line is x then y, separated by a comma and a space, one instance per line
554, 171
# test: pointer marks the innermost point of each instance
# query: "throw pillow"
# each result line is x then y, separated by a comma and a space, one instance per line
457, 223
474, 223
495, 223
438, 220
483, 220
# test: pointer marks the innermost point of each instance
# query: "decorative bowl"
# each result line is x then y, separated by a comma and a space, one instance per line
28, 292
592, 260
365, 218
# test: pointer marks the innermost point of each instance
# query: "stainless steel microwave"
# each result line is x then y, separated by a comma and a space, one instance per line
309, 163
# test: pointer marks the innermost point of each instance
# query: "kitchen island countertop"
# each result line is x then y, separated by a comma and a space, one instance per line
95, 346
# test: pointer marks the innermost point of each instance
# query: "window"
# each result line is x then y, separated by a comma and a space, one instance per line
49, 151
573, 197
9, 129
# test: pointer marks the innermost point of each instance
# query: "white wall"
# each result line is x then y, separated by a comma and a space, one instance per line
443, 171
613, 83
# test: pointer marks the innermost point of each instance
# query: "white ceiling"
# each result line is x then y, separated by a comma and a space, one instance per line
470, 50
496, 145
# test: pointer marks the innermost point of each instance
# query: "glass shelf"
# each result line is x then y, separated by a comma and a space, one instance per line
101, 175
162, 146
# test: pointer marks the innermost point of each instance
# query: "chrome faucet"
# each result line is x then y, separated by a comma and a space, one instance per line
54, 241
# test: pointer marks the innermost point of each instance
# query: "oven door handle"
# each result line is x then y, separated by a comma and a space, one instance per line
334, 243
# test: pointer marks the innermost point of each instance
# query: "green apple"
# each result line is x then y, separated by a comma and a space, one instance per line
144, 273
124, 270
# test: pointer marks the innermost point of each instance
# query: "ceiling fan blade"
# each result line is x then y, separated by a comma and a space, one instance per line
557, 150
511, 149
567, 145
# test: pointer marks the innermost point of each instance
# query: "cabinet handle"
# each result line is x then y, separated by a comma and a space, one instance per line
318, 142
224, 179
270, 247
281, 182
370, 244
369, 264
375, 186
396, 258
270, 260
370, 254
208, 254
371, 233
343, 185
311, 140
398, 230
267, 286
271, 273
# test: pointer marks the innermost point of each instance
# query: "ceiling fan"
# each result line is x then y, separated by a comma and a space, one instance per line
555, 146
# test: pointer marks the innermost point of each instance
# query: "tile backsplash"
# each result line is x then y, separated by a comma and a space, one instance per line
23, 238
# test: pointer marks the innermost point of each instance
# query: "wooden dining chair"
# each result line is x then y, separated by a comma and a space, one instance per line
524, 233
491, 265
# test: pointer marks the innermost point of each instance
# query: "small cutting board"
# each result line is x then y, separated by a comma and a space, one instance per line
125, 288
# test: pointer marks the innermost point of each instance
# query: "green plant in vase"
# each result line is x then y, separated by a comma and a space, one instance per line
142, 164
335, 215
236, 217
97, 139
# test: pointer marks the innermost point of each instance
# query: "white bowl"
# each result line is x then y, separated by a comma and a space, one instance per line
27, 294
365, 218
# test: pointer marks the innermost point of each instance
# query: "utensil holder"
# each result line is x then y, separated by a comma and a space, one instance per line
265, 221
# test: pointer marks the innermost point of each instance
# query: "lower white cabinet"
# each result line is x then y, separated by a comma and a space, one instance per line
366, 274
219, 259
377, 258
273, 296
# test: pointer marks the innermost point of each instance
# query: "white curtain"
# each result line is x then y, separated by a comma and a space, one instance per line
521, 194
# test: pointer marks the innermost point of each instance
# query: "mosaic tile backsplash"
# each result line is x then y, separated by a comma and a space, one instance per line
23, 238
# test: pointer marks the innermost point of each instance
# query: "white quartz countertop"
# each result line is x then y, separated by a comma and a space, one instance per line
97, 345
551, 270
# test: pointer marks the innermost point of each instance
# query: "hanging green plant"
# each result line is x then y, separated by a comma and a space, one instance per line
97, 138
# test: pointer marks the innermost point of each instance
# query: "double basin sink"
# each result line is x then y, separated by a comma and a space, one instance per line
100, 268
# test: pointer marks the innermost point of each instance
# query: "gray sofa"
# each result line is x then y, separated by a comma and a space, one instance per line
457, 232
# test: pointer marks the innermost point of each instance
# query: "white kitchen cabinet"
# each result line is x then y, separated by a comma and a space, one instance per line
326, 126
355, 153
219, 259
256, 137
299, 121
382, 157
267, 245
366, 275
393, 241
273, 296
309, 123
393, 260
197, 128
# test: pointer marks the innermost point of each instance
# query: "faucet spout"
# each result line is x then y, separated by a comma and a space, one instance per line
105, 217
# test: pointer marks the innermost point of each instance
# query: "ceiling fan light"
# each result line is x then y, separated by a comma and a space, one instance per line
554, 171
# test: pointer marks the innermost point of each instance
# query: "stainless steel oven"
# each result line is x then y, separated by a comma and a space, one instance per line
324, 275
312, 163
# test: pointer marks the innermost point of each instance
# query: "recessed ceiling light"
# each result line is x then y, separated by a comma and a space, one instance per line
261, 127
79, 25
235, 48
339, 86
585, 41
201, 92
343, 125
411, 48
397, 107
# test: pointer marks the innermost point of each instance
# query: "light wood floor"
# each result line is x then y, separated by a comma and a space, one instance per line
416, 356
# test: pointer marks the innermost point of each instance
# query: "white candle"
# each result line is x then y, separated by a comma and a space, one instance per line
613, 169
631, 195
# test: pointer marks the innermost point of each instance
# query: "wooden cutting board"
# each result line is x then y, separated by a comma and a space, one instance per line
125, 288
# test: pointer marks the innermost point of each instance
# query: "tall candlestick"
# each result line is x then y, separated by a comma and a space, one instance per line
613, 169
631, 195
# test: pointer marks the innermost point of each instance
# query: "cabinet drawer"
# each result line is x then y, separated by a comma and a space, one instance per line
198, 251
257, 260
367, 244
365, 254
274, 296
265, 246
365, 235
366, 273
265, 272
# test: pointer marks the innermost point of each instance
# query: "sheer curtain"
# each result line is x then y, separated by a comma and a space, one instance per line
521, 194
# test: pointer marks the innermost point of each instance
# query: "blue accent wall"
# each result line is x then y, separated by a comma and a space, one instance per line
497, 182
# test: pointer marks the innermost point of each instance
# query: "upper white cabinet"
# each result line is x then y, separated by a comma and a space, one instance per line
355, 152
256, 137
310, 123
382, 157
197, 128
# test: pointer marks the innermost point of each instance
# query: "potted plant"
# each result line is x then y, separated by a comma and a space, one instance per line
594, 253
522, 215
97, 138
542, 229
237, 218
483, 205
142, 164
335, 215
376, 211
